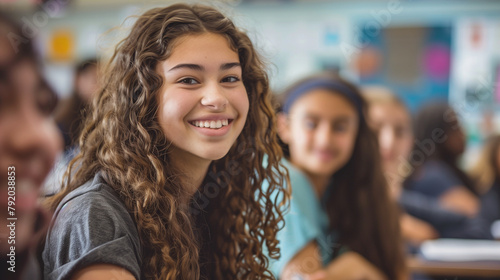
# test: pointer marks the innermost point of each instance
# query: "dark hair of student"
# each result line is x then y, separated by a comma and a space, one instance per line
433, 117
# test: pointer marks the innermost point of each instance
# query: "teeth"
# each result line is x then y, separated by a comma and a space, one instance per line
211, 124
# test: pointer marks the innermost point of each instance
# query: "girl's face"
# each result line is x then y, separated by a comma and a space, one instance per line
320, 131
203, 104
29, 143
87, 84
392, 124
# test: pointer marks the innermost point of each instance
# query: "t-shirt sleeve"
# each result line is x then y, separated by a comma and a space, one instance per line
302, 223
89, 229
435, 180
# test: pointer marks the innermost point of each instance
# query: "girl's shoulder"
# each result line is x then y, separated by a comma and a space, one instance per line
304, 202
91, 225
300, 183
303, 197
94, 193
434, 178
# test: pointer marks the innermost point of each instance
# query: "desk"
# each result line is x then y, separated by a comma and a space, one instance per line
478, 269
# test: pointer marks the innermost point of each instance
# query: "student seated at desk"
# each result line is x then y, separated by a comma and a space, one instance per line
487, 172
439, 142
423, 217
342, 223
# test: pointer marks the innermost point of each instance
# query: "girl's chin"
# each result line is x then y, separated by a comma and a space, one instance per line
215, 153
213, 157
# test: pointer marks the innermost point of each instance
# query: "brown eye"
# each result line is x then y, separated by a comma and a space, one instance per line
188, 81
310, 124
230, 79
46, 99
7, 96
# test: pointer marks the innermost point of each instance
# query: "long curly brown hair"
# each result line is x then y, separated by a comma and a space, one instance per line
123, 140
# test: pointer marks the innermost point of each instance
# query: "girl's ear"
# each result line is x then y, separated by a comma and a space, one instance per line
283, 127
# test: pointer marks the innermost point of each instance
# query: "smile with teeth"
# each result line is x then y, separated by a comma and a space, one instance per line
215, 124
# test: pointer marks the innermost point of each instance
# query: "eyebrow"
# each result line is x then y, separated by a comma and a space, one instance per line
198, 67
230, 65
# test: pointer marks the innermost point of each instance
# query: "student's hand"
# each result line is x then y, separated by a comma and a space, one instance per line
307, 265
461, 200
350, 266
415, 230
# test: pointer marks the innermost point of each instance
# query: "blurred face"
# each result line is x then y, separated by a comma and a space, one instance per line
7, 51
392, 125
203, 104
86, 84
320, 131
29, 143
456, 141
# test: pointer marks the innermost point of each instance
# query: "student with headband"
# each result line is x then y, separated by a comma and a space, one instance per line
341, 223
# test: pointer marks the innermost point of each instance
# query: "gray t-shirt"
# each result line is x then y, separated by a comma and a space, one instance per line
91, 226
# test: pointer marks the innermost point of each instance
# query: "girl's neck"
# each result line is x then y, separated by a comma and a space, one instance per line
395, 181
192, 171
319, 182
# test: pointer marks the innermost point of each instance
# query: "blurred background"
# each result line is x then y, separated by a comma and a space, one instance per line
420, 49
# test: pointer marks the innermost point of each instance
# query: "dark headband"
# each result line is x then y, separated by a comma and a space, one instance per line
327, 84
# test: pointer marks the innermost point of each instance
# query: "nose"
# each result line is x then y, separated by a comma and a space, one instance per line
386, 140
32, 141
214, 97
324, 135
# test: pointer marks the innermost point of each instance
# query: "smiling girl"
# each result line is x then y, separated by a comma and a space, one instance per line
342, 224
29, 144
168, 181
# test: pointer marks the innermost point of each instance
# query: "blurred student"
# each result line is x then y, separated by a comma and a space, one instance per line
168, 180
439, 142
29, 142
487, 172
71, 112
342, 223
423, 218
391, 121
69, 116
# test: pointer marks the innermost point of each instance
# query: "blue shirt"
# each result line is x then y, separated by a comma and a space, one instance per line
305, 221
434, 179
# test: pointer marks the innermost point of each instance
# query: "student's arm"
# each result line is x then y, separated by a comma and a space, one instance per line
349, 266
305, 262
416, 230
461, 200
103, 272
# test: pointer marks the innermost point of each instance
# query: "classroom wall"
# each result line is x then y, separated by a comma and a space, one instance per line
437, 59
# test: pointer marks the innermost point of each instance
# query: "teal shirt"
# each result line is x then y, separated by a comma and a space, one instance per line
305, 221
